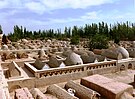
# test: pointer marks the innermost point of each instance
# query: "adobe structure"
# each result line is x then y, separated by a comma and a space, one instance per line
1, 35
52, 69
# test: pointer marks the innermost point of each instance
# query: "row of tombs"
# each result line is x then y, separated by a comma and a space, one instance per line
90, 87
68, 62
38, 68
15, 70
66, 58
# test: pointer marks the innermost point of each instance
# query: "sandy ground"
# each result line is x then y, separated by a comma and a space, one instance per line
123, 76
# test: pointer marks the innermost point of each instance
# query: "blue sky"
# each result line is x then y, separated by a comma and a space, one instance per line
46, 14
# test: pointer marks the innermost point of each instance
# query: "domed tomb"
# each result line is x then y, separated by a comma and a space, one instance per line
7, 55
41, 53
111, 53
4, 47
80, 52
53, 62
25, 41
39, 64
131, 52
11, 47
89, 52
66, 53
88, 58
123, 51
22, 55
133, 43
73, 59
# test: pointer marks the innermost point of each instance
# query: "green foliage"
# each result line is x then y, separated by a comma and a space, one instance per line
75, 40
117, 40
98, 41
4, 39
116, 32
1, 29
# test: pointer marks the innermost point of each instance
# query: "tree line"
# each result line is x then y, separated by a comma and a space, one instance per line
117, 31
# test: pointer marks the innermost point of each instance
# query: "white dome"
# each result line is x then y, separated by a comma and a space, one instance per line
62, 65
45, 66
133, 43
123, 51
4, 47
49, 41
39, 64
24, 41
73, 59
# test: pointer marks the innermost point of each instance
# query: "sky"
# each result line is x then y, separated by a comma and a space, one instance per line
53, 14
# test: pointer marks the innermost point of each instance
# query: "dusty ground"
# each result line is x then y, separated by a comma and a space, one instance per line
123, 76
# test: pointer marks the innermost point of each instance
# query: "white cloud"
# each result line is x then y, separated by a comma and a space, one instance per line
59, 4
97, 16
118, 16
90, 15
27, 22
85, 18
50, 21
11, 4
35, 7
3, 4
4, 15
47, 5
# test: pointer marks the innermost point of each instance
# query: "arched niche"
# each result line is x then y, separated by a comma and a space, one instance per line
129, 66
122, 67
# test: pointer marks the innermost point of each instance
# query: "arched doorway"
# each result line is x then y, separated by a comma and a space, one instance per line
122, 67
130, 66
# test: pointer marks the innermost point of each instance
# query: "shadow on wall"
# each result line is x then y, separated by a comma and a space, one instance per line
130, 66
13, 88
122, 67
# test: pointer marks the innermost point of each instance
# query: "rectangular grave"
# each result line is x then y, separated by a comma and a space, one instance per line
108, 88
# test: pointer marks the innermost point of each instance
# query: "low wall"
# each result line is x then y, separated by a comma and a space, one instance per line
58, 75
90, 68
125, 64
19, 62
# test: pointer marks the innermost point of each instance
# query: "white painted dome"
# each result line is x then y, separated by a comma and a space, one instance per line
73, 59
49, 41
24, 41
4, 47
133, 43
46, 66
123, 51
62, 65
